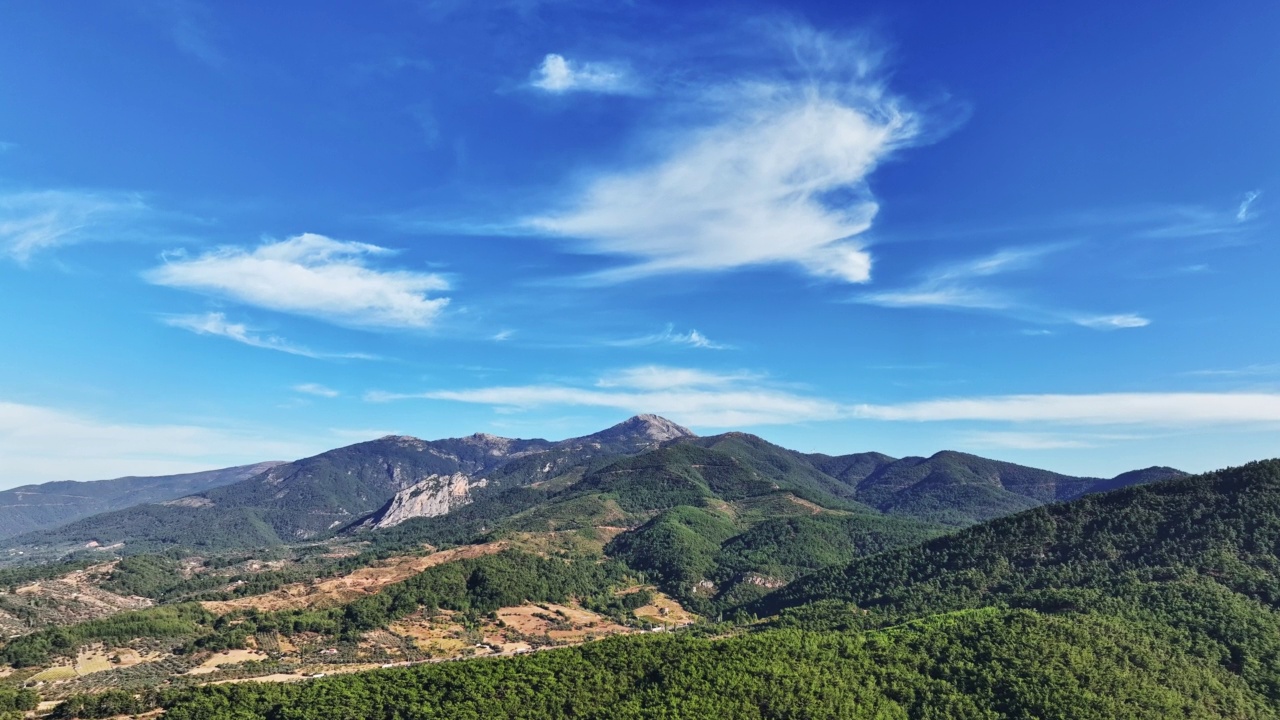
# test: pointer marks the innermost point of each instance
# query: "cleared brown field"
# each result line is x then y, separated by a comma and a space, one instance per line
365, 581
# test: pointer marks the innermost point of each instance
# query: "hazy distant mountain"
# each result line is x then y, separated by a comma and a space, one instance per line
47, 505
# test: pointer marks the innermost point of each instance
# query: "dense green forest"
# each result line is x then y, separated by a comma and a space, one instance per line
973, 664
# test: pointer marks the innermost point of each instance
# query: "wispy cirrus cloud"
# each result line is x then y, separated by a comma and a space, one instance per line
1255, 370
217, 325
1111, 322
38, 221
188, 25
694, 397
967, 286
559, 75
1244, 211
316, 389
670, 336
774, 170
314, 276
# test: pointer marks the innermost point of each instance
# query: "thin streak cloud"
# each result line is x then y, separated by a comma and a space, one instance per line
217, 325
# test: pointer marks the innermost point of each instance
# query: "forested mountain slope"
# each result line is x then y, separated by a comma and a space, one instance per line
47, 505
1224, 526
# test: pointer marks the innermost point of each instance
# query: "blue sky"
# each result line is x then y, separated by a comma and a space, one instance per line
232, 232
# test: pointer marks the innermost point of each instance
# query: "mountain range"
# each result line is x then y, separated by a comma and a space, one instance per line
622, 475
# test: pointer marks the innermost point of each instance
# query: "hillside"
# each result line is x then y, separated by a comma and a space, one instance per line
1194, 560
47, 505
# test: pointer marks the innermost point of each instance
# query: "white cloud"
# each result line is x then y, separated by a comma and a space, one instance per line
315, 276
31, 222
316, 389
1243, 210
687, 396
1111, 322
693, 339
216, 323
775, 173
559, 75
1155, 409
41, 444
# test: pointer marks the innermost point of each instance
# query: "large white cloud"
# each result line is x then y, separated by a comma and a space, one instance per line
776, 174
315, 276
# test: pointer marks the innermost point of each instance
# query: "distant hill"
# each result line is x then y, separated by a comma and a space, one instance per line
48, 505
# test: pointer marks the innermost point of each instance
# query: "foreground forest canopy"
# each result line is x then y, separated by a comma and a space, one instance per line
651, 573
1156, 601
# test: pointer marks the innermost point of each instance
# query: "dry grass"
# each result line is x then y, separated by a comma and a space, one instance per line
57, 672
365, 581
663, 610
533, 620
437, 636
226, 657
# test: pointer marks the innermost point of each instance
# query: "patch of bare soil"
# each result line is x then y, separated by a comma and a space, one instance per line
65, 600
226, 657
664, 611
365, 581
813, 507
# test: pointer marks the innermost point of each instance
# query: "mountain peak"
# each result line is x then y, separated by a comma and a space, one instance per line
634, 434
655, 427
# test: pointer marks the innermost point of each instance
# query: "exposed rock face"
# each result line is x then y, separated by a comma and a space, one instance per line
430, 497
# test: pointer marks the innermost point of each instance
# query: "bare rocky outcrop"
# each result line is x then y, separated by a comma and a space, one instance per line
432, 496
